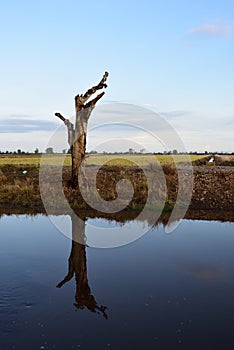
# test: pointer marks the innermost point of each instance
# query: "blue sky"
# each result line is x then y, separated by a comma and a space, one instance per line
174, 57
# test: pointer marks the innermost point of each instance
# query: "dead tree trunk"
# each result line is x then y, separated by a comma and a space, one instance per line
77, 134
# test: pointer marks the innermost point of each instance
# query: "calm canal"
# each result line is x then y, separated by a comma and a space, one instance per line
163, 291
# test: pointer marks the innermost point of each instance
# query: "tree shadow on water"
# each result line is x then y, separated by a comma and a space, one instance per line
77, 266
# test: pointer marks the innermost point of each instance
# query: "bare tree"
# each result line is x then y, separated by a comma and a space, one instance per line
77, 134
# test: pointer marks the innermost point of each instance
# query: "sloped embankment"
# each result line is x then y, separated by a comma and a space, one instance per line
213, 188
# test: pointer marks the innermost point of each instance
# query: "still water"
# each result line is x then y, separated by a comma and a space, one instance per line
161, 292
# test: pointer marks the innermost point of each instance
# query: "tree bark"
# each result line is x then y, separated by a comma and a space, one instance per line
77, 134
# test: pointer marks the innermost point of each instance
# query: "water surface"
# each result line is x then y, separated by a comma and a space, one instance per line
161, 292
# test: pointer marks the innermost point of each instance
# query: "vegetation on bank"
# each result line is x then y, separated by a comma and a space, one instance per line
19, 184
20, 187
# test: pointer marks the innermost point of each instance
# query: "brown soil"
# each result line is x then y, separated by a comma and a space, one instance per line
213, 186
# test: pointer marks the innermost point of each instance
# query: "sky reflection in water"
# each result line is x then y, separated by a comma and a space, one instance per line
162, 291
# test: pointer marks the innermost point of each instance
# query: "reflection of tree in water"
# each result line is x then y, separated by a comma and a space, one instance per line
77, 266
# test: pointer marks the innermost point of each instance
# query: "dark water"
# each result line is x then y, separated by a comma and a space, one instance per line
161, 292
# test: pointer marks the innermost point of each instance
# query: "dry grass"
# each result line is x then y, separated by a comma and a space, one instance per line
21, 192
225, 160
99, 159
35, 160
2, 177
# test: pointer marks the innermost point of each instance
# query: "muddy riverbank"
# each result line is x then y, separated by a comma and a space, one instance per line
213, 186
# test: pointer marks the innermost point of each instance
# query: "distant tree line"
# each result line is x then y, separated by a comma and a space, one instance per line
50, 150
172, 152
20, 152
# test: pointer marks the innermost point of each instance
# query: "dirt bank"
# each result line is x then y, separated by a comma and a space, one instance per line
213, 187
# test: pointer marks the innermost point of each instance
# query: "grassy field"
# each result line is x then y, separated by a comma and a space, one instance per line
141, 160
99, 159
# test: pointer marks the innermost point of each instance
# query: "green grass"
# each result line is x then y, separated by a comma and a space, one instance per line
33, 160
142, 160
99, 159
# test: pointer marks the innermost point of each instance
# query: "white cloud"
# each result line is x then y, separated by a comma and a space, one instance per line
29, 141
149, 105
24, 124
203, 132
118, 127
220, 28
